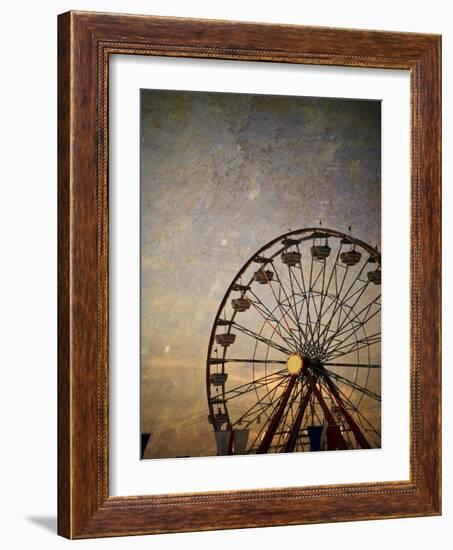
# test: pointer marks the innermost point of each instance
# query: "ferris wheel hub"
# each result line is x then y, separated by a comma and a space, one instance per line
295, 363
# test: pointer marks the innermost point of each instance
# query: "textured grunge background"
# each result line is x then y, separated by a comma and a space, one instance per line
221, 175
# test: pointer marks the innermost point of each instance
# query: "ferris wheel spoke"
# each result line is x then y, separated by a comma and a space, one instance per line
259, 404
274, 331
353, 346
310, 343
348, 320
332, 309
360, 438
353, 365
298, 267
264, 411
353, 385
268, 316
313, 295
249, 386
347, 295
376, 437
259, 361
357, 320
339, 287
325, 293
320, 275
352, 330
239, 391
325, 312
311, 300
277, 299
304, 302
292, 280
294, 316
342, 299
262, 339
301, 271
345, 311
359, 292
347, 333
306, 294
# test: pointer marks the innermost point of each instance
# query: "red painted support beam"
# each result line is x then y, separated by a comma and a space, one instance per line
275, 420
360, 438
290, 444
327, 413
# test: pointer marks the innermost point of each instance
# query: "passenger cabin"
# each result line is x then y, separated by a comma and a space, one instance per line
374, 276
220, 418
290, 242
291, 258
225, 339
240, 288
320, 252
319, 235
218, 378
262, 260
351, 257
240, 304
224, 322
263, 276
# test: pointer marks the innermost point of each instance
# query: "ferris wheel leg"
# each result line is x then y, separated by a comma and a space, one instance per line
275, 420
327, 412
360, 438
290, 445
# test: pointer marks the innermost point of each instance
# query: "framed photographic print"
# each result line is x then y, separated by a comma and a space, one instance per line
249, 275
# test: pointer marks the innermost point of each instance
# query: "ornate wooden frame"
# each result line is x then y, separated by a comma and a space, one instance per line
85, 41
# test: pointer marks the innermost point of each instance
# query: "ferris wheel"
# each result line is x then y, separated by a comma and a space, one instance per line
294, 356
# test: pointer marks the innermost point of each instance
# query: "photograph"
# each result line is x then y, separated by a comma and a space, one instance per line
260, 277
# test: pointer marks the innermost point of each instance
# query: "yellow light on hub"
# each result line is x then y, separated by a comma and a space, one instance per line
294, 364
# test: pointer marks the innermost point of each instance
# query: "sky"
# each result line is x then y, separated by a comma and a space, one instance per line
222, 175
